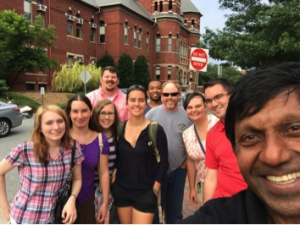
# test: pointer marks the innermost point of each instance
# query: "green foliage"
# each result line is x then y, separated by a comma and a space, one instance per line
228, 72
20, 100
62, 105
68, 80
126, 71
105, 60
257, 35
3, 86
22, 46
141, 71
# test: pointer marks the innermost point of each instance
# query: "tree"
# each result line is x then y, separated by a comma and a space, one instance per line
257, 35
3, 86
228, 72
105, 60
141, 71
22, 46
126, 71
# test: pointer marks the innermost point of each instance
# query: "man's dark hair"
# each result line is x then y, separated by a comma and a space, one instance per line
110, 69
154, 81
254, 90
226, 85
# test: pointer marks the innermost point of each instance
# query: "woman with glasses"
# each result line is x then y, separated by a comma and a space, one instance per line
105, 117
137, 178
79, 111
194, 140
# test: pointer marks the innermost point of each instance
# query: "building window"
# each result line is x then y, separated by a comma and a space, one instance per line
42, 20
177, 43
193, 23
169, 72
78, 31
157, 73
70, 28
126, 33
161, 6
170, 43
158, 43
155, 6
40, 2
30, 87
93, 34
191, 76
176, 73
134, 36
27, 10
140, 38
101, 32
147, 41
170, 5
70, 61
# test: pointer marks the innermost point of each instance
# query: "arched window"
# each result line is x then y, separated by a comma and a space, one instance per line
177, 43
161, 6
101, 31
158, 43
134, 36
170, 5
140, 38
155, 7
126, 33
170, 43
147, 41
193, 23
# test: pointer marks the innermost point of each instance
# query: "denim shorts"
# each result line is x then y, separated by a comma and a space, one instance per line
143, 200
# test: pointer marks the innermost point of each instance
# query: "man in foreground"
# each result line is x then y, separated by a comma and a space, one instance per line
263, 126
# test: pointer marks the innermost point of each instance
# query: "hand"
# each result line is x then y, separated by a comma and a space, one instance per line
102, 214
193, 197
69, 213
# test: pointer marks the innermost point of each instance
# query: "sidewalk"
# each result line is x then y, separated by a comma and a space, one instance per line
188, 209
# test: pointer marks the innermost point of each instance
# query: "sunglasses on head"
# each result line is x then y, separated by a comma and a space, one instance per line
174, 94
136, 86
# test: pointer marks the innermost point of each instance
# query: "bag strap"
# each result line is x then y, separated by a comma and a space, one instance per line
73, 154
153, 134
199, 140
101, 148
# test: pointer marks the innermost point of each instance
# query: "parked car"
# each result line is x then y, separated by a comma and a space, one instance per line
10, 117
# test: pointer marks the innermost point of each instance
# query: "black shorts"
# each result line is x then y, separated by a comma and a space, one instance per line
143, 201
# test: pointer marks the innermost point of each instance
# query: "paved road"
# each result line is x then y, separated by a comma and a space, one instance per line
17, 135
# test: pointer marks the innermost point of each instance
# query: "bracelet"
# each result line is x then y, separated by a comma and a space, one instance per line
104, 204
74, 196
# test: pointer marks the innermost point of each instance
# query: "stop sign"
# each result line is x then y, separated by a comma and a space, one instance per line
199, 59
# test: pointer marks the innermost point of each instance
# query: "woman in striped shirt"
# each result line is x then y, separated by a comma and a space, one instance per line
105, 119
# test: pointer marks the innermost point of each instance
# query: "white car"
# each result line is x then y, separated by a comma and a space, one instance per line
10, 117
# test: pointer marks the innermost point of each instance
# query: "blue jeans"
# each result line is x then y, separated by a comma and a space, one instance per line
172, 191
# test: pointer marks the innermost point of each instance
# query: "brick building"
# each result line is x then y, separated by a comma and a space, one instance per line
162, 30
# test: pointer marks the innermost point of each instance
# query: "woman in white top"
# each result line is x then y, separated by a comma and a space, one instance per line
194, 139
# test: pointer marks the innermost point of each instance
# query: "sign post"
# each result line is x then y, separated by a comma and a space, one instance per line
85, 76
42, 93
198, 61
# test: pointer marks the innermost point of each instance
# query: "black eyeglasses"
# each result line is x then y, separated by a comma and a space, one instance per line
173, 94
217, 98
136, 86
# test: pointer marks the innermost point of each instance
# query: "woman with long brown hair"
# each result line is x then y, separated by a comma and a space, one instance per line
43, 164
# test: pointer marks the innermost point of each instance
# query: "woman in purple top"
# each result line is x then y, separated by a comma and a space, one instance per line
79, 110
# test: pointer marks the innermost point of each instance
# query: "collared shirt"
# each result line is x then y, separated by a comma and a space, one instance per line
119, 100
220, 156
39, 184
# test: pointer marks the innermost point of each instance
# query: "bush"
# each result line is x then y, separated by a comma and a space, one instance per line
68, 80
62, 105
3, 86
20, 100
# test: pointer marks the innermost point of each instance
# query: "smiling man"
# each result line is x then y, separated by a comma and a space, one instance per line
263, 126
174, 120
154, 93
109, 90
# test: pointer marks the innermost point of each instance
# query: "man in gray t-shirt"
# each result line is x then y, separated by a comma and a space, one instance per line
174, 120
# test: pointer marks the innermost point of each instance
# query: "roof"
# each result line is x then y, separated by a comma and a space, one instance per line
130, 4
188, 6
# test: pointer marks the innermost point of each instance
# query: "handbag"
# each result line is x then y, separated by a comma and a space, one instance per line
65, 194
98, 192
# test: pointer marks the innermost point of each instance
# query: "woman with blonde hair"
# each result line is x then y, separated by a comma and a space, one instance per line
43, 164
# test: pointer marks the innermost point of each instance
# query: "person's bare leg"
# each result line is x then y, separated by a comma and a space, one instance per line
139, 217
125, 214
